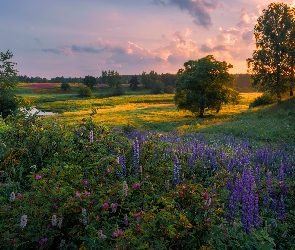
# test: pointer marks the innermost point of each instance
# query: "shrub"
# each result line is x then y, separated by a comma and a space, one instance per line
84, 92
265, 99
158, 87
169, 90
65, 86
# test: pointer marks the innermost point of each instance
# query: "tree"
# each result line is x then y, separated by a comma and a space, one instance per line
272, 63
84, 92
65, 85
89, 81
8, 84
114, 79
134, 82
204, 84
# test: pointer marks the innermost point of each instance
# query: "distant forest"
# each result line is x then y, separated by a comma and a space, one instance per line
242, 81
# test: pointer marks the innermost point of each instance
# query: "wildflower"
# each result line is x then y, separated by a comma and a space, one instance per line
115, 234
114, 207
38, 177
105, 205
78, 195
91, 136
176, 175
86, 193
108, 171
140, 169
62, 243
136, 185
59, 222
12, 197
23, 221
85, 182
42, 241
136, 156
101, 235
167, 184
126, 219
19, 195
55, 207
125, 189
137, 215
54, 220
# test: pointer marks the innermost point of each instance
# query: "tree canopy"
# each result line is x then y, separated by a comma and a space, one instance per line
272, 63
89, 81
204, 84
8, 84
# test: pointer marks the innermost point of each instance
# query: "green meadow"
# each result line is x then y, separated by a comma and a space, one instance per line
143, 111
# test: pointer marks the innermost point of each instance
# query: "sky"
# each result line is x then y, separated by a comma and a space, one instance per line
75, 38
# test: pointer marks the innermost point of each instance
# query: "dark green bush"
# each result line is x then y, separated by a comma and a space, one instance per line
265, 99
84, 92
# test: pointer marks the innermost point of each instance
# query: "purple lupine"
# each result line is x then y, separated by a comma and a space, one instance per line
281, 209
176, 172
122, 162
136, 155
91, 136
250, 215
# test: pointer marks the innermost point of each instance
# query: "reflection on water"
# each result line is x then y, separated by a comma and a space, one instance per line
34, 110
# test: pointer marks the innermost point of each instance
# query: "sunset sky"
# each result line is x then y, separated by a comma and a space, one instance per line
75, 38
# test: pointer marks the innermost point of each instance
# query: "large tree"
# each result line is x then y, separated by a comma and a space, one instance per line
8, 84
89, 81
204, 84
272, 63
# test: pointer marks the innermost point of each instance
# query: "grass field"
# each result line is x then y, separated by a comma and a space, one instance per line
143, 111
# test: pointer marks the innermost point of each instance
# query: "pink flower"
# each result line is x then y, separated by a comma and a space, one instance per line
114, 207
105, 205
42, 241
120, 231
19, 195
136, 185
78, 195
55, 207
85, 182
115, 234
55, 199
137, 215
86, 193
183, 187
38, 177
108, 171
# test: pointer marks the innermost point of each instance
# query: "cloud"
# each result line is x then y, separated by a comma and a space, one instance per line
198, 9
86, 49
54, 51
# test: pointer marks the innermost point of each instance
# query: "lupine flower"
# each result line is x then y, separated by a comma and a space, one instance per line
54, 220
23, 221
105, 205
136, 185
62, 243
19, 195
84, 211
42, 241
59, 222
136, 155
38, 177
12, 197
91, 136
140, 169
125, 189
126, 220
101, 235
114, 207
122, 161
167, 184
176, 174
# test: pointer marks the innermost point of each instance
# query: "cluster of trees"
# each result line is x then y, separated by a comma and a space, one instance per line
272, 63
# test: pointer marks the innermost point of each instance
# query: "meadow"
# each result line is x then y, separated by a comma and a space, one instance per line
132, 172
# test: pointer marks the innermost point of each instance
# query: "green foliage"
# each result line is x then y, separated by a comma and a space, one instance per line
204, 84
65, 86
272, 63
148, 80
265, 99
158, 87
84, 92
119, 90
89, 81
111, 78
8, 84
134, 82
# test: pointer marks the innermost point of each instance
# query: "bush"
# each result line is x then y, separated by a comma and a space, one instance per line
169, 90
265, 99
158, 87
84, 92
119, 90
65, 86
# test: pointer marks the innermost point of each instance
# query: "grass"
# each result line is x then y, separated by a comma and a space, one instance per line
158, 113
